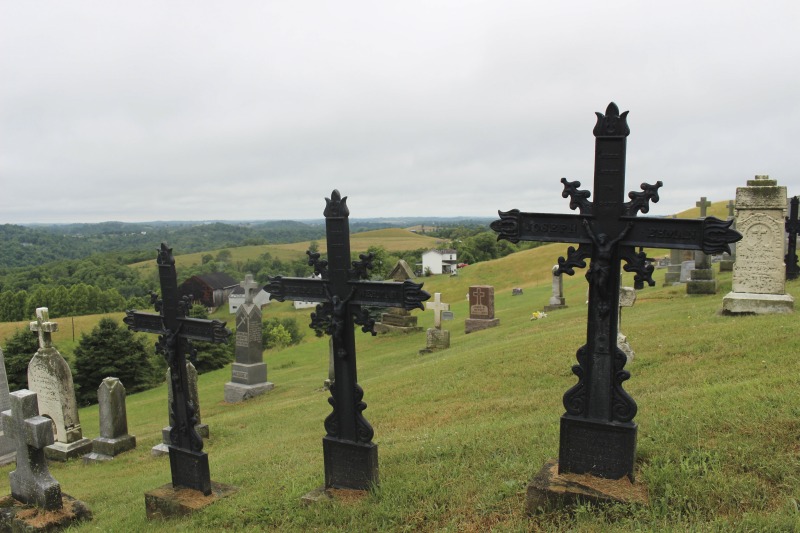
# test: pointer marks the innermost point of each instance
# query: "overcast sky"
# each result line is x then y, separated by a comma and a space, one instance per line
139, 111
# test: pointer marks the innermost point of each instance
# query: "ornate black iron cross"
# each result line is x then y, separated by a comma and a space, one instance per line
598, 434
792, 228
351, 458
188, 463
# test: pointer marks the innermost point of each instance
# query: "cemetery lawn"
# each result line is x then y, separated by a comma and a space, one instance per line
461, 431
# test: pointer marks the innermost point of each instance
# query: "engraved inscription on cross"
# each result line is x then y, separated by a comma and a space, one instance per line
437, 306
188, 463
341, 290
44, 327
607, 230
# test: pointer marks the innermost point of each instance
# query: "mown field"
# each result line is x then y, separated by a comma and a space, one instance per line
461, 431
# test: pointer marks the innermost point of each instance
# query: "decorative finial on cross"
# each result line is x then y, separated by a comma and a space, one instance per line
249, 285
437, 306
44, 327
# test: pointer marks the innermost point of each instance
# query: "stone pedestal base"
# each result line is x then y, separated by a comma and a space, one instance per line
548, 308
702, 282
672, 276
550, 489
382, 328
159, 450
726, 265
741, 303
349, 465
189, 469
18, 516
322, 494
238, 392
113, 446
436, 339
58, 451
477, 324
603, 449
167, 501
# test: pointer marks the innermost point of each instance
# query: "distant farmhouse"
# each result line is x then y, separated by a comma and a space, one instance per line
236, 298
209, 290
439, 262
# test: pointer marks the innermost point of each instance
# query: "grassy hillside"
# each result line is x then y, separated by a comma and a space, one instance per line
460, 432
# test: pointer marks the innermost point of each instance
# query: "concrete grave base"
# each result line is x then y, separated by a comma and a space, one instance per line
94, 458
382, 329
701, 286
726, 265
322, 494
58, 451
8, 458
549, 489
477, 324
167, 501
548, 308
740, 303
115, 446
239, 392
18, 516
159, 449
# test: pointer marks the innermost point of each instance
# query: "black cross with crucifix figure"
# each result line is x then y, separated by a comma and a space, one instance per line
188, 463
598, 435
351, 458
792, 228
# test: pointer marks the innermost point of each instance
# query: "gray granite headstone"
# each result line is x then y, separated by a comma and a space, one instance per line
8, 448
701, 279
50, 377
557, 300
31, 482
686, 269
114, 438
248, 372
194, 397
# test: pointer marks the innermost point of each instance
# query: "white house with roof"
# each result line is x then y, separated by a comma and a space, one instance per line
236, 298
439, 261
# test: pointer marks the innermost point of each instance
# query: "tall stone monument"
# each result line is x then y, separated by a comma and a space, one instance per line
8, 448
702, 276
759, 274
557, 300
50, 377
481, 309
32, 485
114, 438
249, 371
437, 338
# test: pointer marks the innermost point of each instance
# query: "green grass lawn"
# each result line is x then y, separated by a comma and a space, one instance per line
462, 431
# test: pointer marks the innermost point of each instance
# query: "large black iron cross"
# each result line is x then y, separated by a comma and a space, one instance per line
351, 458
598, 434
188, 463
792, 228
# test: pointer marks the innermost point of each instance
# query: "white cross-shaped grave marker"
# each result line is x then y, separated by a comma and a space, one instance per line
249, 285
437, 306
44, 327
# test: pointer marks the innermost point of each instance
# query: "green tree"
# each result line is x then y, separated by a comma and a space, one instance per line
18, 352
279, 333
111, 351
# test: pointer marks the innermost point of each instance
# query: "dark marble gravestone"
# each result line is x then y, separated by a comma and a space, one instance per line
598, 434
188, 462
792, 228
351, 458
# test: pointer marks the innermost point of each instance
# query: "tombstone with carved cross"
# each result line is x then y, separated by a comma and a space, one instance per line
50, 377
188, 462
350, 456
701, 277
249, 371
598, 435
436, 338
792, 228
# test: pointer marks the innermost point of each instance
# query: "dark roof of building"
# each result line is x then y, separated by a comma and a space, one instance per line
218, 280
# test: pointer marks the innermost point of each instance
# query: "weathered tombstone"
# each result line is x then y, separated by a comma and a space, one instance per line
557, 300
627, 297
598, 435
351, 458
673, 274
792, 228
249, 371
188, 462
481, 309
686, 271
32, 486
114, 438
8, 448
759, 275
701, 278
50, 377
516, 291
436, 338
194, 397
726, 265
398, 319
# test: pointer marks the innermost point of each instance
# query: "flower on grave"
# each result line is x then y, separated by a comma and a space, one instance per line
536, 315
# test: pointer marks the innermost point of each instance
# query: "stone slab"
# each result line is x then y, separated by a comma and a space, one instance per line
602, 449
701, 274
58, 451
167, 501
237, 392
726, 265
159, 449
94, 458
381, 328
349, 465
548, 308
739, 303
477, 324
436, 339
17, 516
321, 494
700, 286
548, 489
115, 446
249, 374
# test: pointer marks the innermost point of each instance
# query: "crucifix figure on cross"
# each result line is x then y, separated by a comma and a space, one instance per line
598, 435
351, 458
